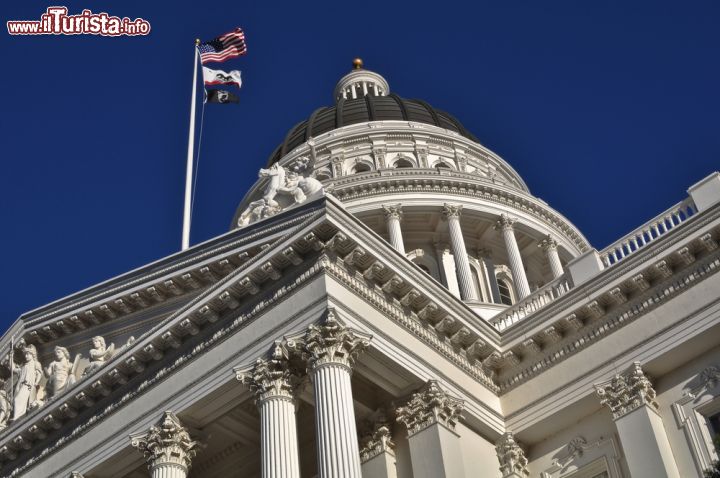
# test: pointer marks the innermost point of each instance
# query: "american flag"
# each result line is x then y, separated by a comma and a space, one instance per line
224, 47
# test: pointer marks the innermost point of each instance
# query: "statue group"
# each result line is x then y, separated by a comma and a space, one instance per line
289, 182
29, 385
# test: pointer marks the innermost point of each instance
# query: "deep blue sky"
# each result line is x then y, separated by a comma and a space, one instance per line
609, 110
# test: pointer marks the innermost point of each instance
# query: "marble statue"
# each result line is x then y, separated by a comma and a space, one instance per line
27, 393
5, 405
285, 182
99, 354
59, 372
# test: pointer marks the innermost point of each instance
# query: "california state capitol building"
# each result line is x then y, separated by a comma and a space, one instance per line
391, 301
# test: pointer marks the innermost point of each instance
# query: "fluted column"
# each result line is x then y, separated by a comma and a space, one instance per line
630, 397
430, 417
274, 382
505, 225
168, 448
393, 215
331, 349
451, 213
549, 246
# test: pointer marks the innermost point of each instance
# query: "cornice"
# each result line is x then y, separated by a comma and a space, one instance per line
153, 287
594, 329
445, 184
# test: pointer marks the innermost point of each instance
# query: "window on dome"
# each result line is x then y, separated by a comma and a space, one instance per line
403, 163
322, 176
424, 267
360, 168
443, 165
504, 289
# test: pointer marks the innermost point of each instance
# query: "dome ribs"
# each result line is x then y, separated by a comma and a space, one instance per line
401, 105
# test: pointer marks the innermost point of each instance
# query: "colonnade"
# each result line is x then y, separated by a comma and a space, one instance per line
327, 353
504, 225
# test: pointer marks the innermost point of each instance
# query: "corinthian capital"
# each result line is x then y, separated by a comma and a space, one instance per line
272, 376
430, 406
167, 443
511, 456
393, 211
451, 211
505, 222
378, 441
627, 391
548, 243
332, 342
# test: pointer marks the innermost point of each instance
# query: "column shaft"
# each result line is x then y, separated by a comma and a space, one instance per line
278, 438
336, 432
555, 264
169, 471
393, 214
396, 238
516, 264
549, 245
462, 264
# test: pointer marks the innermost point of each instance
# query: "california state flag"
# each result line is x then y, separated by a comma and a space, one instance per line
220, 77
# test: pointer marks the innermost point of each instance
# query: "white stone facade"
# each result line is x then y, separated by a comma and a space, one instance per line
391, 302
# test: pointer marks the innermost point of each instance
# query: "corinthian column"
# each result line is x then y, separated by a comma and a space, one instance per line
549, 246
331, 348
430, 417
393, 215
274, 382
630, 397
451, 213
505, 224
167, 447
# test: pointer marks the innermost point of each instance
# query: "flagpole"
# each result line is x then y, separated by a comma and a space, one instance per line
191, 147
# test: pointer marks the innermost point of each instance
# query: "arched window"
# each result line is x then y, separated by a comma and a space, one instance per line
443, 165
476, 282
505, 294
403, 163
424, 267
361, 168
322, 175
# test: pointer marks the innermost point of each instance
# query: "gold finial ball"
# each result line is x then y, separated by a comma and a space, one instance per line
357, 63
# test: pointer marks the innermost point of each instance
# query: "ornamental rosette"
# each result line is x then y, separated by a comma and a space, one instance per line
332, 342
511, 457
167, 443
430, 406
271, 377
626, 392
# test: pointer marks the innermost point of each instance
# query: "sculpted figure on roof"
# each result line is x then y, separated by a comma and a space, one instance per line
59, 372
293, 182
27, 393
99, 354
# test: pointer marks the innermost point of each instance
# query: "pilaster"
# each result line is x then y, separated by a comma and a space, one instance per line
630, 397
430, 417
513, 463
